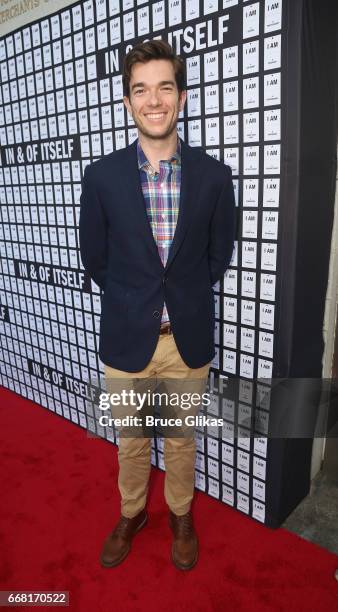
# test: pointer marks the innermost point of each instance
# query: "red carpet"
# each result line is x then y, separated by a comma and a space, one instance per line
59, 501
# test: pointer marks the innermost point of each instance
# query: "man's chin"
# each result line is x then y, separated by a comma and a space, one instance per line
157, 134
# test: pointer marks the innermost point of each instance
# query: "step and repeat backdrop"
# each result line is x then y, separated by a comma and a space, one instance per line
61, 108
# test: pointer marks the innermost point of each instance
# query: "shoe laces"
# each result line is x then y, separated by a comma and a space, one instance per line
184, 524
122, 526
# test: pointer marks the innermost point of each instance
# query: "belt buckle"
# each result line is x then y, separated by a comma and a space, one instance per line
166, 329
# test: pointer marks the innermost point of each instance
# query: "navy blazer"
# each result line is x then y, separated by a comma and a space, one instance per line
120, 254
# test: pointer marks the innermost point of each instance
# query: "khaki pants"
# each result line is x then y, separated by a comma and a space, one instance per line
179, 452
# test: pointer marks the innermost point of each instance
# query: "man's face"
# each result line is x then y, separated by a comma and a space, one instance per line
154, 101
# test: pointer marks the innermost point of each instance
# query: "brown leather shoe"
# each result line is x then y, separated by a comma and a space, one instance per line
118, 543
184, 552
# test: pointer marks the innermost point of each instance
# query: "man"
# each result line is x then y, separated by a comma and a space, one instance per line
156, 233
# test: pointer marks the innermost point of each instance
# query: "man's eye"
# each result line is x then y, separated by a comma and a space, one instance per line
138, 91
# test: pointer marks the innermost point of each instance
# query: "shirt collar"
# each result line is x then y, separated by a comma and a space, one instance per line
143, 161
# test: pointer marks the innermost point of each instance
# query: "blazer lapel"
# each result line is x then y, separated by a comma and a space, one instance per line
190, 179
135, 188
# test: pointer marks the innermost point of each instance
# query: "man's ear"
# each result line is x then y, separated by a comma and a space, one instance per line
182, 100
127, 104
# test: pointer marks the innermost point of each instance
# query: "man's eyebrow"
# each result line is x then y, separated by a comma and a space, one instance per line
160, 83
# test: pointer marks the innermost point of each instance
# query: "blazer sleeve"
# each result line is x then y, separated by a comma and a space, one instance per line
93, 232
222, 231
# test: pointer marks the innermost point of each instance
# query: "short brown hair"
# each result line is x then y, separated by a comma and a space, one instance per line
152, 49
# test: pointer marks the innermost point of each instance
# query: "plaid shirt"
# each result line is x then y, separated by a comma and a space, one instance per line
161, 192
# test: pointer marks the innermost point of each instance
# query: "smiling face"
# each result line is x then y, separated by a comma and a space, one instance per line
154, 100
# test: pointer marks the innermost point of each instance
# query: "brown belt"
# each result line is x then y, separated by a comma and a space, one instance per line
165, 329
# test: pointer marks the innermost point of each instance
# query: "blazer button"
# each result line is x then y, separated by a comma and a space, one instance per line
156, 314
164, 280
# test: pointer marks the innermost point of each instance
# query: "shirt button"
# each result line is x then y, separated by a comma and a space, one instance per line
156, 314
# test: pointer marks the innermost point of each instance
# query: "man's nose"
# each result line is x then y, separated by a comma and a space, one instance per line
154, 98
